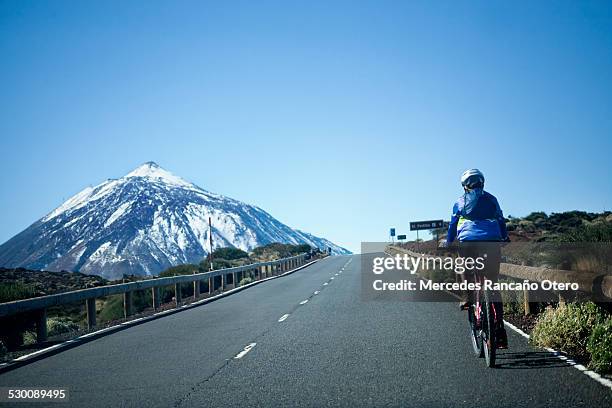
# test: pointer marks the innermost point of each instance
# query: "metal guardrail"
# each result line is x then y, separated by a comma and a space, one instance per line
588, 282
39, 305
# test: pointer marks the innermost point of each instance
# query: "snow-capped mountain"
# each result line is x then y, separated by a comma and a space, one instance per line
141, 224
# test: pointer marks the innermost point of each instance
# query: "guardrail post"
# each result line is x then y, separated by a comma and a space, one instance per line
196, 289
526, 305
127, 304
234, 279
222, 282
211, 284
155, 298
91, 312
177, 294
41, 326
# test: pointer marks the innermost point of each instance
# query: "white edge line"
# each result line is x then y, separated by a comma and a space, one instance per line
595, 376
38, 352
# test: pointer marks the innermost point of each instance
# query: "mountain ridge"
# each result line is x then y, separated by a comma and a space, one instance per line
141, 224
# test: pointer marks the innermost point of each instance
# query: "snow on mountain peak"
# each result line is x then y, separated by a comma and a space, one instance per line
153, 171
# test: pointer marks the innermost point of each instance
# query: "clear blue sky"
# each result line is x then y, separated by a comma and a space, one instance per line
338, 118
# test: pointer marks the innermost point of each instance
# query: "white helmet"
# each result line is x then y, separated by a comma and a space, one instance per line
471, 178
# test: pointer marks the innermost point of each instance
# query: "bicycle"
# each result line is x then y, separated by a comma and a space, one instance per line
482, 320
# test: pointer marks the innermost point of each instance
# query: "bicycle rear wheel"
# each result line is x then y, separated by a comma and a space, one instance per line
488, 333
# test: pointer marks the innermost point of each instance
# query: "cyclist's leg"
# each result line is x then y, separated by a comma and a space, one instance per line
492, 254
493, 251
467, 250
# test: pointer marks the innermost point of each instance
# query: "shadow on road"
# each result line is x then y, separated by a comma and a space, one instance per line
527, 360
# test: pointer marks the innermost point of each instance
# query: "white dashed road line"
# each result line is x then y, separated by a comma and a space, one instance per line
283, 318
303, 302
245, 351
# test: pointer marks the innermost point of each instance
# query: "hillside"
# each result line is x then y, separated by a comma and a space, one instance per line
142, 224
567, 226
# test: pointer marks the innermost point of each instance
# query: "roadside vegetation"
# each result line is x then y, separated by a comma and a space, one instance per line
582, 330
15, 291
582, 243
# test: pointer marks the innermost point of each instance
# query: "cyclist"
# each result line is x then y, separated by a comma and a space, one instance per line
477, 222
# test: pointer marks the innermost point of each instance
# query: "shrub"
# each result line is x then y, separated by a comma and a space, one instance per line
567, 328
278, 250
600, 232
29, 338
15, 291
112, 308
513, 300
245, 281
60, 325
204, 266
185, 269
600, 347
229, 253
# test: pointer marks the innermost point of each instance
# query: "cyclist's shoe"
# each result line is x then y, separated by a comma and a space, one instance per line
464, 305
502, 338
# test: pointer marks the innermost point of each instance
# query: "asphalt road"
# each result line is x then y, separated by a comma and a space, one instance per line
336, 349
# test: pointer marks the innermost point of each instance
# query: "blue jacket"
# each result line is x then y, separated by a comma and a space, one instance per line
477, 217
